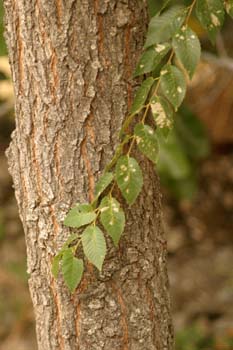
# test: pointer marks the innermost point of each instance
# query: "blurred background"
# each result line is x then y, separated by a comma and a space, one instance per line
196, 169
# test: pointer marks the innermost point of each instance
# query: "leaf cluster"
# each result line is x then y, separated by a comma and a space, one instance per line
170, 57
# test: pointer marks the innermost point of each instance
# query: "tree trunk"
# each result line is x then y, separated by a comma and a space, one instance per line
71, 63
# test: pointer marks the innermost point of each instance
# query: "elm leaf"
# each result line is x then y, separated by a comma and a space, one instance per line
112, 218
129, 178
94, 245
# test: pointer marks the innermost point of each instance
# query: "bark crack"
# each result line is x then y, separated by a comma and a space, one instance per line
123, 320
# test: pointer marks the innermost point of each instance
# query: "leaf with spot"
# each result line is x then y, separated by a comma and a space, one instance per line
147, 141
151, 58
173, 84
187, 49
163, 114
103, 183
72, 270
80, 215
229, 7
112, 218
210, 13
141, 96
163, 27
129, 178
94, 246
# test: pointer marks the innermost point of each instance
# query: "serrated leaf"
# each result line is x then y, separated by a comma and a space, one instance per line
173, 161
80, 216
147, 141
187, 49
112, 218
103, 183
173, 84
163, 114
163, 27
129, 178
141, 96
94, 246
210, 13
55, 265
229, 7
72, 270
151, 58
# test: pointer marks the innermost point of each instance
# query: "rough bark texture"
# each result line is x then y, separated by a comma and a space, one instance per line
71, 63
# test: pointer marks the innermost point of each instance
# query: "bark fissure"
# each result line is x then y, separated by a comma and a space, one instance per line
71, 66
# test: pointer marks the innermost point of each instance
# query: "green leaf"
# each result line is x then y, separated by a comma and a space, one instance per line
141, 96
112, 218
94, 246
187, 49
72, 270
84, 208
129, 178
103, 183
229, 7
163, 27
153, 7
173, 161
156, 6
211, 15
151, 58
79, 216
147, 141
163, 114
55, 265
173, 84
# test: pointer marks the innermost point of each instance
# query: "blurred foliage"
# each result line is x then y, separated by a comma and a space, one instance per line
185, 146
196, 338
3, 50
193, 338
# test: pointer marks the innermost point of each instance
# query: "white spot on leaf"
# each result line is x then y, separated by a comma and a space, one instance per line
215, 20
160, 48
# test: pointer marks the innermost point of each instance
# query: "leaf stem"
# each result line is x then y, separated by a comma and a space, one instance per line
77, 245
131, 146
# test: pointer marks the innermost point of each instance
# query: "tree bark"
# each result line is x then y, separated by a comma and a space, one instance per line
71, 63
